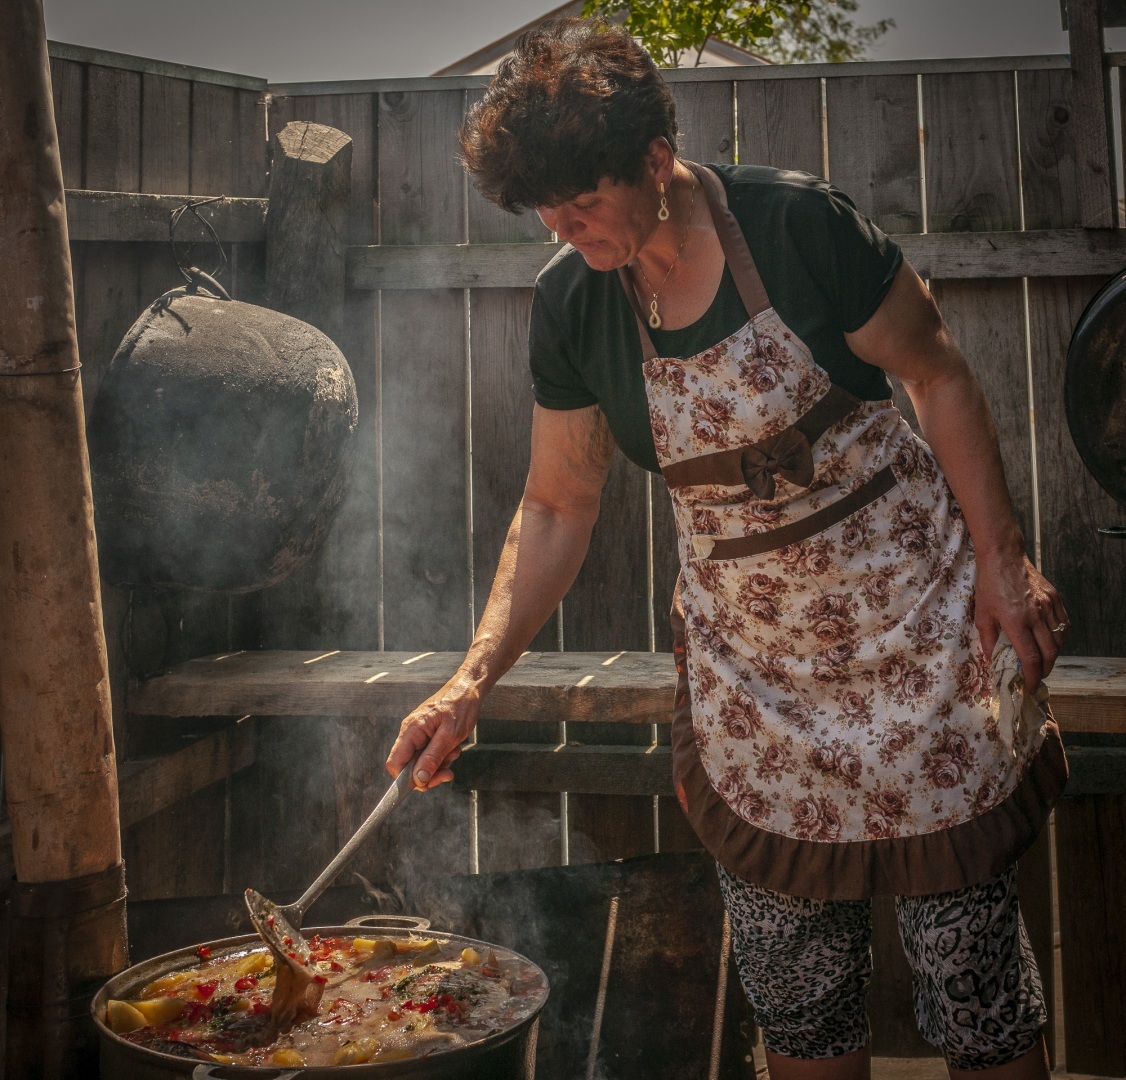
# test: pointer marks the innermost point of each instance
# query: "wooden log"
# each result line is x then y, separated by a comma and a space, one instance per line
1092, 104
310, 191
60, 775
67, 924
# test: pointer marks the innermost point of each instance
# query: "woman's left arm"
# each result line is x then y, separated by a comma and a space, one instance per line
908, 338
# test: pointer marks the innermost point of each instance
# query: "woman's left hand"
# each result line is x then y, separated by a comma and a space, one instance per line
1012, 595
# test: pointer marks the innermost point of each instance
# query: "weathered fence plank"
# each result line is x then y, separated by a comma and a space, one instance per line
68, 89
1049, 166
424, 398
780, 124
872, 128
1092, 875
113, 129
969, 127
166, 116
426, 594
705, 114
519, 832
1094, 142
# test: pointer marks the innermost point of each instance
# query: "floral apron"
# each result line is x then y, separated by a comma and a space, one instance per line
835, 735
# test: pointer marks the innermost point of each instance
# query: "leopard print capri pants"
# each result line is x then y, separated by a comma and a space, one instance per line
805, 967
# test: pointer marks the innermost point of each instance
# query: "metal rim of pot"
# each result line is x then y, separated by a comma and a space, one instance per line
137, 975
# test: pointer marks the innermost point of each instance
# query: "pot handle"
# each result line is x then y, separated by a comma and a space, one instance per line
206, 1072
391, 922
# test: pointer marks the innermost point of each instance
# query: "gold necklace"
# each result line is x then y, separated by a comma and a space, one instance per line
654, 319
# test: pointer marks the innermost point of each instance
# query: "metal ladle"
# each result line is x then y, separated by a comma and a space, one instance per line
280, 926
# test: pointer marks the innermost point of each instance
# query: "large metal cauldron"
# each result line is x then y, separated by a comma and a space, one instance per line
505, 1055
219, 443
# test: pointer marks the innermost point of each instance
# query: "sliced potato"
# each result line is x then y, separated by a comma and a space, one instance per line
356, 1053
167, 982
286, 1056
253, 963
377, 948
423, 947
121, 1017
471, 957
159, 1010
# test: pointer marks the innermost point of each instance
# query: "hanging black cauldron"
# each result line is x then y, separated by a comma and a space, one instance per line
218, 444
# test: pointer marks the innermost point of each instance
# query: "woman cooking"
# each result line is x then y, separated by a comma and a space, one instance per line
843, 583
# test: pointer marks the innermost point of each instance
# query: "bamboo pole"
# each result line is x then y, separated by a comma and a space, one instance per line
67, 929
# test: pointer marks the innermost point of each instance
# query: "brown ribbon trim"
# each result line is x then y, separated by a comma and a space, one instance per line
756, 463
739, 547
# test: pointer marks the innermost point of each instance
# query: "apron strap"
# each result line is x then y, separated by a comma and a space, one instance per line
747, 279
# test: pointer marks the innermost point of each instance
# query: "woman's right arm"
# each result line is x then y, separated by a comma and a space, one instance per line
545, 547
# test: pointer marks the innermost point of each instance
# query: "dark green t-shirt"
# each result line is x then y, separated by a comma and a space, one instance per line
825, 268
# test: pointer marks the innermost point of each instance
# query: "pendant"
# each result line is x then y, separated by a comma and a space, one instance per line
654, 318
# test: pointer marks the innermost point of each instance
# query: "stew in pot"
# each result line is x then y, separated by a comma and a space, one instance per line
380, 999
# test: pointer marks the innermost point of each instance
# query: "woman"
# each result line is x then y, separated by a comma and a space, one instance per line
733, 327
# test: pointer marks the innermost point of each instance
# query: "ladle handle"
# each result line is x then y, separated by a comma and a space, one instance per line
395, 795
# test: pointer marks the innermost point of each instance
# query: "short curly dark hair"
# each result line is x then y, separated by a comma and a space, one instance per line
577, 101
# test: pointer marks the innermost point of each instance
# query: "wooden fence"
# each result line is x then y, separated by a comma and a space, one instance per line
972, 164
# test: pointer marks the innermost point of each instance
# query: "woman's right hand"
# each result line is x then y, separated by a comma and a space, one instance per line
434, 733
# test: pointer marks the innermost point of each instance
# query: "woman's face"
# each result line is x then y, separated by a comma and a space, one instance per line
607, 226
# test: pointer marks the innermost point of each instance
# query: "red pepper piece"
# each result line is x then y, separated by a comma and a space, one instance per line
336, 966
205, 990
204, 952
260, 1007
319, 978
247, 982
288, 940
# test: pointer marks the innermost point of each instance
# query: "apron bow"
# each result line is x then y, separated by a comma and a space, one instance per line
788, 455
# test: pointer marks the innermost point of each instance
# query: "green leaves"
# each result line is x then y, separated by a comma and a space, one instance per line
788, 31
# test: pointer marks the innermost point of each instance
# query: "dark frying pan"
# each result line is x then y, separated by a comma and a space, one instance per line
1095, 390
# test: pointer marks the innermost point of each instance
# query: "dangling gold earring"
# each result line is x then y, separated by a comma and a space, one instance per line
663, 212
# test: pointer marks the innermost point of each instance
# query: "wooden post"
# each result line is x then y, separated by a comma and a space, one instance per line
59, 769
1093, 118
307, 225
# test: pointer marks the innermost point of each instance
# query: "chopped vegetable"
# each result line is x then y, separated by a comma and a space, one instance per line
122, 1017
159, 1010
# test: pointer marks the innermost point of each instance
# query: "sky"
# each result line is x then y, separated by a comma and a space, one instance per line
316, 40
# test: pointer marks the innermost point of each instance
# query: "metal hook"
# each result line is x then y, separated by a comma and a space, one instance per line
181, 252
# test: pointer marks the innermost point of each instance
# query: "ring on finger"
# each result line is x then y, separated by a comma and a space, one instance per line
1059, 629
